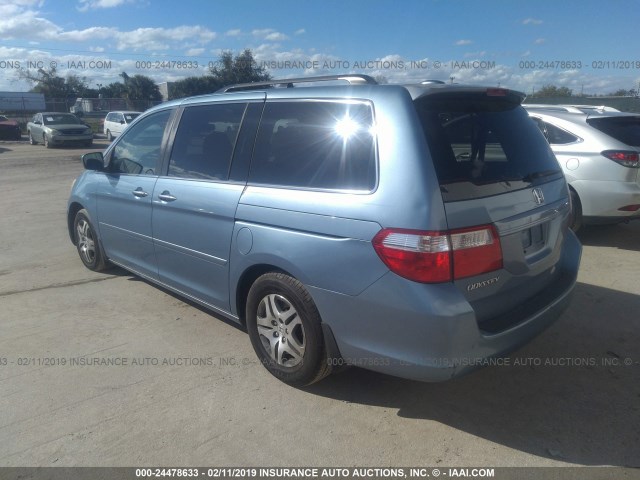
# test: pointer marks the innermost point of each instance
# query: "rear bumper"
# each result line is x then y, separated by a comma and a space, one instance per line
430, 332
601, 199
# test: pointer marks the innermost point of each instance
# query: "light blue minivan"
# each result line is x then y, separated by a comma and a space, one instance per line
414, 230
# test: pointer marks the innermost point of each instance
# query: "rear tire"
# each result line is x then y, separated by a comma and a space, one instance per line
284, 327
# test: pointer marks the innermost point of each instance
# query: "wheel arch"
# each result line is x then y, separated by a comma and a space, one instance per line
72, 211
247, 278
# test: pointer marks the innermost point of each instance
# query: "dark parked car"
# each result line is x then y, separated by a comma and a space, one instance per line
9, 129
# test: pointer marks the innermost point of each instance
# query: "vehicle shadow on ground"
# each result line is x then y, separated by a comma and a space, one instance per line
624, 235
586, 414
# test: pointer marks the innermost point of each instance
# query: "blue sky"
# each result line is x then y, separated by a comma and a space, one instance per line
521, 45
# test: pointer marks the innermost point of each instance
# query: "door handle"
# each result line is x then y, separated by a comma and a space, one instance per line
166, 196
138, 192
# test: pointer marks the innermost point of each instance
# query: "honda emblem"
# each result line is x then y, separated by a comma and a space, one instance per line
538, 196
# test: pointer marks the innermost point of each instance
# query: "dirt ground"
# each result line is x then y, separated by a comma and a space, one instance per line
188, 391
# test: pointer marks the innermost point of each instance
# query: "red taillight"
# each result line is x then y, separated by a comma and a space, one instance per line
434, 257
623, 157
496, 92
475, 250
630, 208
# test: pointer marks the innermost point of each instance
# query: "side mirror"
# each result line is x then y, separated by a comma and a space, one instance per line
121, 122
93, 161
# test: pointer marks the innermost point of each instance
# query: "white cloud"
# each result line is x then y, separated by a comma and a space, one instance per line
85, 5
194, 52
300, 31
539, 41
276, 37
475, 54
16, 23
161, 38
269, 34
236, 32
531, 21
463, 42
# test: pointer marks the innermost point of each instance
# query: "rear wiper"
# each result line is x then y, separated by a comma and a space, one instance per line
545, 173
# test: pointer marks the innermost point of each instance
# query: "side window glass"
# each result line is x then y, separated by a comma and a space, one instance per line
557, 136
204, 142
541, 126
138, 151
316, 144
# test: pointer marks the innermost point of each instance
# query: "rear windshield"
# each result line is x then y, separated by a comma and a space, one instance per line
484, 146
623, 129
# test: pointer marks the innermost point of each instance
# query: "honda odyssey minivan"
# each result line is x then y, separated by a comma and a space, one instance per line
415, 230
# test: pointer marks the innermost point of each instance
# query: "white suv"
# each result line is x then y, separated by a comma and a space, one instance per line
116, 122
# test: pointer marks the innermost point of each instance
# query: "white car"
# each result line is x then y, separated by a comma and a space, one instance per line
116, 122
599, 152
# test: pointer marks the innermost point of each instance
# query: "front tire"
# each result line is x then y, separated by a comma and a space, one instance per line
47, 142
32, 140
284, 327
109, 136
87, 243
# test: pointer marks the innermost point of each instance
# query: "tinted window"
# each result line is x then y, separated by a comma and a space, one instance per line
61, 119
204, 142
555, 135
327, 145
129, 117
484, 147
138, 150
623, 129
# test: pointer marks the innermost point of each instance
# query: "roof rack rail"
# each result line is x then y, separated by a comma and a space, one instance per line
352, 78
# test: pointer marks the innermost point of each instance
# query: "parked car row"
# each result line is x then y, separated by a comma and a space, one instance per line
414, 230
598, 149
9, 129
55, 128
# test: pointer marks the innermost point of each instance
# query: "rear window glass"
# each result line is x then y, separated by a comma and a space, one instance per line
623, 129
484, 147
316, 144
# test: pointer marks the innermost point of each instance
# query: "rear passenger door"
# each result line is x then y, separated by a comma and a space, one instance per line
194, 204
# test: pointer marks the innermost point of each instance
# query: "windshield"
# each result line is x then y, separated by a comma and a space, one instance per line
484, 148
623, 129
60, 119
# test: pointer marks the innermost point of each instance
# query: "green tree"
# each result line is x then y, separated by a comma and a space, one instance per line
242, 68
140, 87
52, 85
623, 93
113, 90
228, 70
192, 86
553, 91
